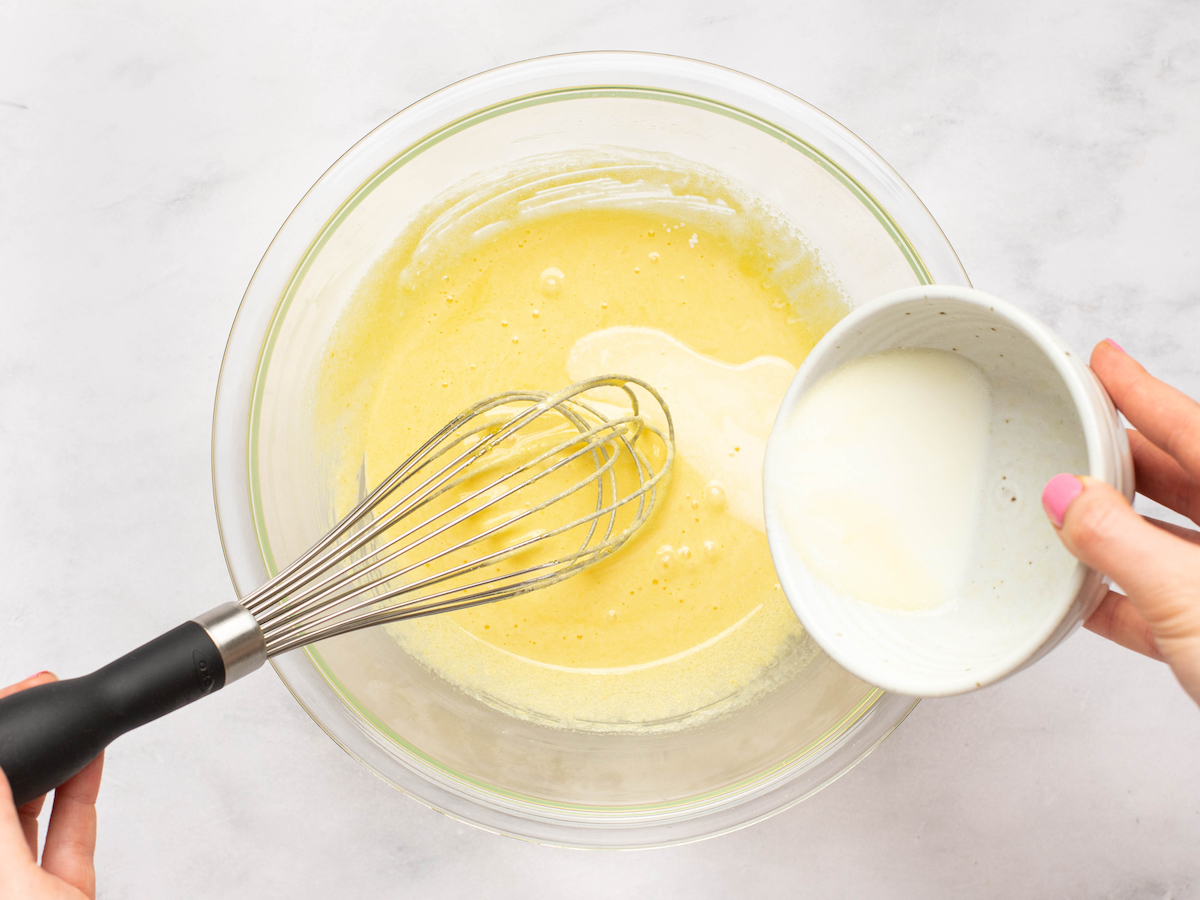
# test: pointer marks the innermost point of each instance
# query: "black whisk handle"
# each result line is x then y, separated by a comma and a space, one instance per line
50, 732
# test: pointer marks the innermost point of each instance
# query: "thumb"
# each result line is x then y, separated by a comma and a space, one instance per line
14, 851
1158, 571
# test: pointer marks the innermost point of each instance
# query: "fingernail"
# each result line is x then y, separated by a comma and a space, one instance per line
1113, 343
1060, 491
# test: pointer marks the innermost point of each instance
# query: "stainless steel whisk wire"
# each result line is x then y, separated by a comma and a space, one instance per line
361, 574
300, 606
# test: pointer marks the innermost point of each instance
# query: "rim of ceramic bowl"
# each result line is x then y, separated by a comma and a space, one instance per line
1097, 418
403, 136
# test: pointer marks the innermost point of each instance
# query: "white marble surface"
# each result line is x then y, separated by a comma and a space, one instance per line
149, 151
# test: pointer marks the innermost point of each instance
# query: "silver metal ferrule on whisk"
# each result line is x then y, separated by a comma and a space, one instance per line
383, 563
238, 637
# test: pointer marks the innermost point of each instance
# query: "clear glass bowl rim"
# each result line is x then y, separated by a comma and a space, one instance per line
259, 307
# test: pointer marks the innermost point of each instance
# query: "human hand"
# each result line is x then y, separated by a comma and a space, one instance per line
67, 871
1156, 564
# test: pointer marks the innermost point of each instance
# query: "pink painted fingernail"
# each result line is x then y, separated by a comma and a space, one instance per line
1113, 343
1060, 491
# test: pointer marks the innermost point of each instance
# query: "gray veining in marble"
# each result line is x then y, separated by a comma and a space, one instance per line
148, 153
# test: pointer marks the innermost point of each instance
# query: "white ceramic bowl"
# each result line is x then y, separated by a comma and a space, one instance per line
1023, 592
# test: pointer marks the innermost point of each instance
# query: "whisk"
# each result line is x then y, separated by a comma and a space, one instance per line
518, 492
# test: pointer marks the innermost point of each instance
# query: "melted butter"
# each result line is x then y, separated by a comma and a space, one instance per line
887, 462
688, 619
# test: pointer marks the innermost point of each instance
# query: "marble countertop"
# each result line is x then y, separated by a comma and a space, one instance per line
149, 152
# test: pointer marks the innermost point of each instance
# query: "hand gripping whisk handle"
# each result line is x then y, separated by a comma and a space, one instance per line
50, 732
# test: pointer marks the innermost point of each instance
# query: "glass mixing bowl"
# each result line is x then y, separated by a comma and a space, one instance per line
417, 732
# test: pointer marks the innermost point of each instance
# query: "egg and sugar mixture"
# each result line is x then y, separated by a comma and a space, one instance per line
548, 273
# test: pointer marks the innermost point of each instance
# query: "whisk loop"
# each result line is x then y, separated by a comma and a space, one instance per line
360, 574
438, 534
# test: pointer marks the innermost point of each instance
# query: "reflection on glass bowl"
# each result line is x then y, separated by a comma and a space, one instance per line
456, 752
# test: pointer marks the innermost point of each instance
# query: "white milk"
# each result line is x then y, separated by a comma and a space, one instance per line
887, 458
722, 413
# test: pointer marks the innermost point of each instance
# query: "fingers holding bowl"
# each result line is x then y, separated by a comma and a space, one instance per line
1167, 417
1161, 478
1159, 569
1117, 619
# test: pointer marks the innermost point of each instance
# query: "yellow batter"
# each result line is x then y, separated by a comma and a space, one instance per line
688, 619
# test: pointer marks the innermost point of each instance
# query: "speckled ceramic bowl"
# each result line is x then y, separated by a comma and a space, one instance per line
1023, 592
